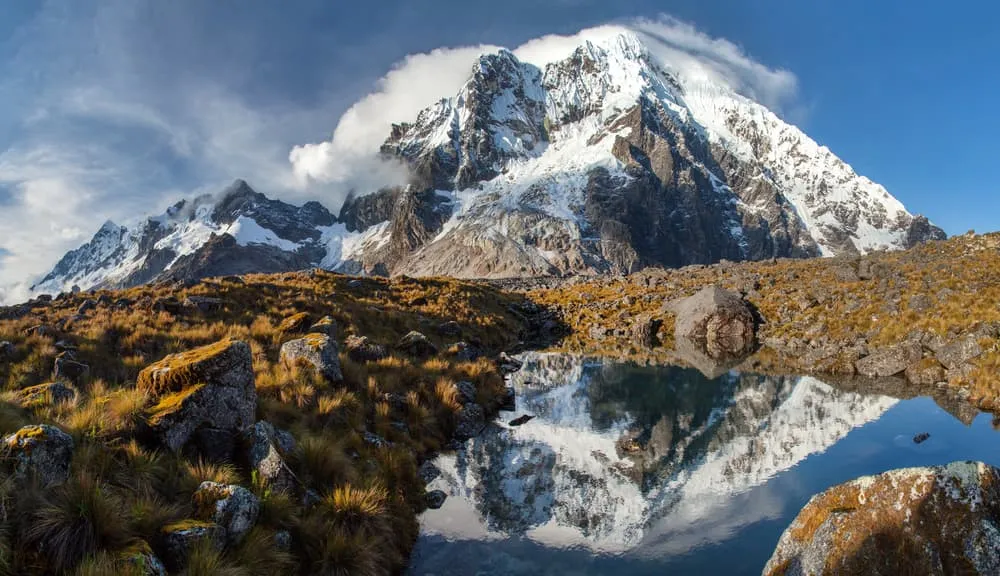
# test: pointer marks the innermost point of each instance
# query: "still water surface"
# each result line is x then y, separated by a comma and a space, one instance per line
660, 470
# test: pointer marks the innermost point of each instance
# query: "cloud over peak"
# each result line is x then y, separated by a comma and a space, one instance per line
349, 160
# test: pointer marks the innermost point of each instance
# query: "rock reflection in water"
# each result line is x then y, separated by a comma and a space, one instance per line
622, 458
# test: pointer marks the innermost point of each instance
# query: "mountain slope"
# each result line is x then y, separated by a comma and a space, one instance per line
606, 161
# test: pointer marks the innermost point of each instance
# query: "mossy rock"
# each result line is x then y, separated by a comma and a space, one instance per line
936, 520
48, 394
233, 507
227, 363
181, 537
39, 453
318, 351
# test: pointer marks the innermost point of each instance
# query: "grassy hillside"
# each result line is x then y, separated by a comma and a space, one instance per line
125, 491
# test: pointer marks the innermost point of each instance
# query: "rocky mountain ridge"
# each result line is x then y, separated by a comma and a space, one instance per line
604, 161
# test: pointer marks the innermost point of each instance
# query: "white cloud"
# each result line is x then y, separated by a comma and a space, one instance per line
349, 160
696, 56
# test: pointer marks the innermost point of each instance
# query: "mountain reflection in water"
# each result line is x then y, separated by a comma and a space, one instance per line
632, 469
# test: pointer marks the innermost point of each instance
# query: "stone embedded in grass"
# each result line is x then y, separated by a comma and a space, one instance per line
417, 345
360, 349
890, 360
232, 507
208, 387
466, 391
927, 371
266, 452
204, 304
959, 352
68, 368
41, 453
327, 325
317, 350
48, 394
937, 520
181, 537
87, 306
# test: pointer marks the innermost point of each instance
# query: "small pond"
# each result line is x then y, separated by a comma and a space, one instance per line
633, 470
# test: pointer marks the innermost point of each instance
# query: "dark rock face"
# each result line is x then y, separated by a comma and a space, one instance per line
223, 256
70, 369
939, 520
296, 224
361, 212
39, 453
718, 320
435, 499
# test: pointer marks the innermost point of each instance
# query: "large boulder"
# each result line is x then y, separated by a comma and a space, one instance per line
890, 360
202, 390
41, 453
938, 520
716, 319
267, 448
232, 507
959, 352
316, 350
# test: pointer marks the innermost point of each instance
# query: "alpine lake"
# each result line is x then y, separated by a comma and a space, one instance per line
633, 470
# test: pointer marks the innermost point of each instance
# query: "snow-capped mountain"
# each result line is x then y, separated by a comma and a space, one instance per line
622, 454
604, 161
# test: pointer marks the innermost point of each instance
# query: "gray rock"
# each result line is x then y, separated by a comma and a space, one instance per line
889, 361
204, 304
361, 350
326, 325
960, 351
435, 499
911, 521
375, 440
644, 331
208, 387
146, 562
508, 402
87, 306
470, 422
7, 351
180, 538
717, 319
70, 369
232, 507
283, 540
41, 453
48, 394
925, 372
267, 449
417, 345
465, 352
317, 350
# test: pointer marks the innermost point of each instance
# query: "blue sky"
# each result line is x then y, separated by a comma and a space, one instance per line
114, 109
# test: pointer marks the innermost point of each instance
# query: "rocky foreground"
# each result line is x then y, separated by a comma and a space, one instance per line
254, 425
281, 424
